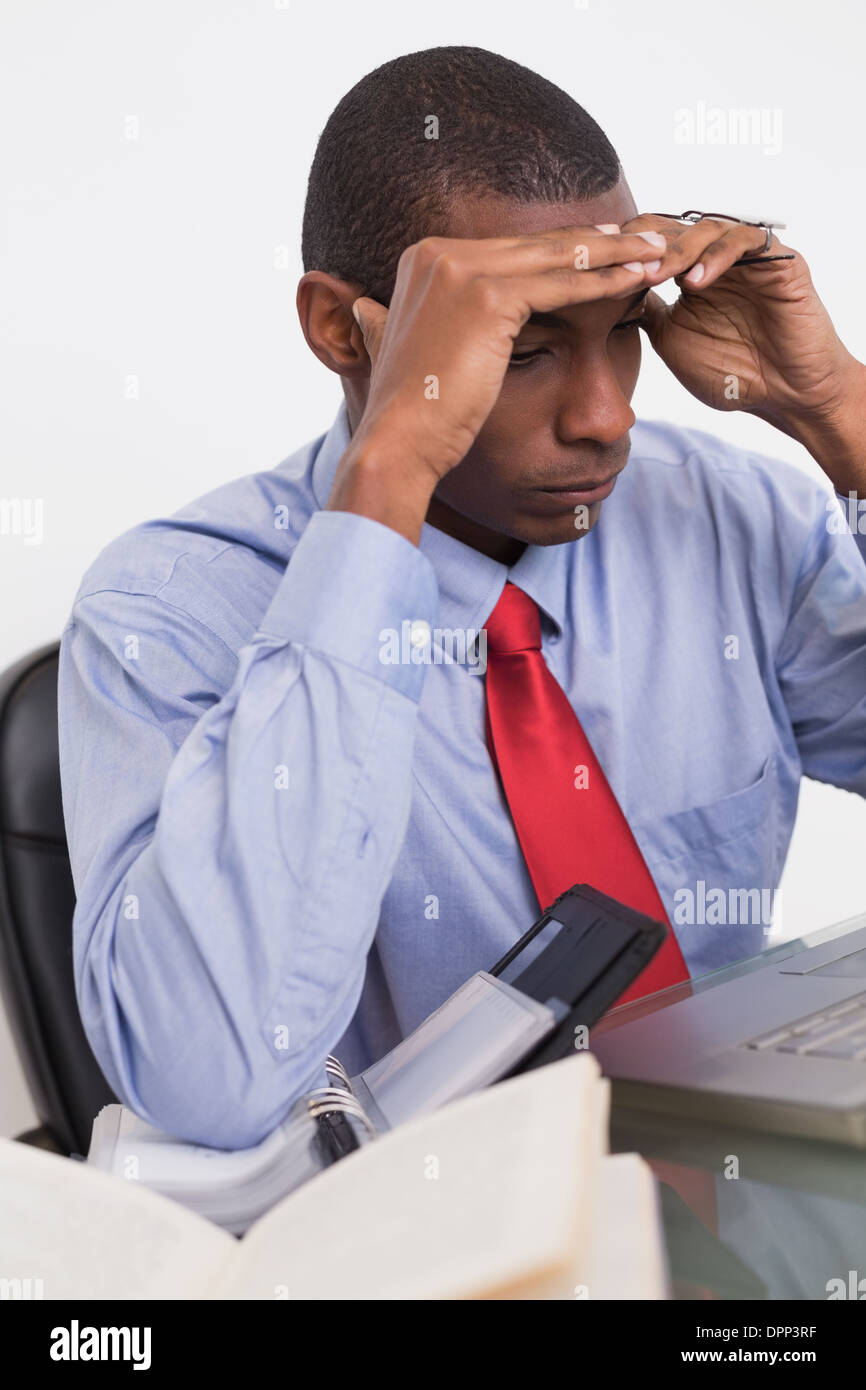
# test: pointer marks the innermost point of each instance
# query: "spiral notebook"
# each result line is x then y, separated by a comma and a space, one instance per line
472, 1040
586, 946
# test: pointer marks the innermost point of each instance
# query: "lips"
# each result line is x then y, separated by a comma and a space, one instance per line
583, 484
575, 494
580, 487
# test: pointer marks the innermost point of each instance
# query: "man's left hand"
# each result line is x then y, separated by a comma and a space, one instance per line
757, 338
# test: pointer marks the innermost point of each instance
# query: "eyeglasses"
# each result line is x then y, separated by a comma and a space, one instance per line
693, 215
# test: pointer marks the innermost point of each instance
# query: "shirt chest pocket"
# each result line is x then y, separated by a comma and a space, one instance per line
733, 840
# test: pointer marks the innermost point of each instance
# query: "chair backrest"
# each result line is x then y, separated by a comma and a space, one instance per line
37, 899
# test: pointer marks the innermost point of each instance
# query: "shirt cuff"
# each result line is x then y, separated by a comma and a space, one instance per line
358, 592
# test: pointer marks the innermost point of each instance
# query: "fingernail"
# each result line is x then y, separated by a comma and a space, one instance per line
696, 274
609, 227
357, 316
649, 266
654, 239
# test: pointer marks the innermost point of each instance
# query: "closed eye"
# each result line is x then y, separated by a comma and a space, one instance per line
637, 308
520, 357
628, 323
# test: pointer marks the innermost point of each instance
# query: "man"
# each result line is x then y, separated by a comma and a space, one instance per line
334, 733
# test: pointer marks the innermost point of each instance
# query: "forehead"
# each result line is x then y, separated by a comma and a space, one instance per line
491, 215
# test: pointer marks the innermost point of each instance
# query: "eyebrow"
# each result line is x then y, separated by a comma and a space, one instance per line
542, 320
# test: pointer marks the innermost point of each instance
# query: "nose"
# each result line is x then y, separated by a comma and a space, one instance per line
594, 405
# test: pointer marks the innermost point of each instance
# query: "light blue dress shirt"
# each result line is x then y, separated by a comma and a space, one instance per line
284, 845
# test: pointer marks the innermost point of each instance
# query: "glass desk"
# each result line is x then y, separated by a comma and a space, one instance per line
791, 1225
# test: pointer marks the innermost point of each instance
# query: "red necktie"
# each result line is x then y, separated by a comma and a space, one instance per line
569, 833
568, 821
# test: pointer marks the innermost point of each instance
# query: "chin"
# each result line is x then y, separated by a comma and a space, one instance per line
552, 530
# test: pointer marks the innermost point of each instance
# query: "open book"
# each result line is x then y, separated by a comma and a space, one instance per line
505, 1193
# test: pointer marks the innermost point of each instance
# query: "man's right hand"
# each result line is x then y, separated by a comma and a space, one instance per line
439, 353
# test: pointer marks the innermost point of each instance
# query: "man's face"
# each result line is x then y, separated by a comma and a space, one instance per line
562, 419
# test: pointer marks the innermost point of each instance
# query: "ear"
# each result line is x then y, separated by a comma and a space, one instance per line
325, 310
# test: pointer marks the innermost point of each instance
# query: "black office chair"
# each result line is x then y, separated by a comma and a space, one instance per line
37, 899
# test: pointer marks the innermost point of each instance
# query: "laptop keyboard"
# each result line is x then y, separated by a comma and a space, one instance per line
838, 1031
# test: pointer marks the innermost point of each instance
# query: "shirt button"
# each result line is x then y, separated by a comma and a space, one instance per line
419, 633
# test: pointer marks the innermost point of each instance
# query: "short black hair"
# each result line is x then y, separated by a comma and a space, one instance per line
378, 183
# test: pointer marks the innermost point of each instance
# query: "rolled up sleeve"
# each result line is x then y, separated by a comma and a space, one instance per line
234, 819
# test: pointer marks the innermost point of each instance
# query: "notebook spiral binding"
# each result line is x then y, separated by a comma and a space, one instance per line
334, 1067
329, 1100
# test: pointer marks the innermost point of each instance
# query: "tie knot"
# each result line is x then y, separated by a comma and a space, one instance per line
514, 624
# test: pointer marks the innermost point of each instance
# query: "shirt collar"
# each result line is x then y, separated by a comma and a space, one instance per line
469, 583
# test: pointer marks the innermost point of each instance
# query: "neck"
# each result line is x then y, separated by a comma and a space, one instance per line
505, 549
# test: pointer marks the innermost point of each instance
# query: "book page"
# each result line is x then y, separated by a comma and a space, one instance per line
484, 1198
628, 1259
84, 1234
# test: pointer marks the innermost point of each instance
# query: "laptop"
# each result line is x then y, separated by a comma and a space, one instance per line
775, 1043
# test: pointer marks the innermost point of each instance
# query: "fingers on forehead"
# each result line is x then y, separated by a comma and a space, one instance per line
580, 248
562, 287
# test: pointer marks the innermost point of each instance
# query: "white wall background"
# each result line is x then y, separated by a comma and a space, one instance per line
156, 257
